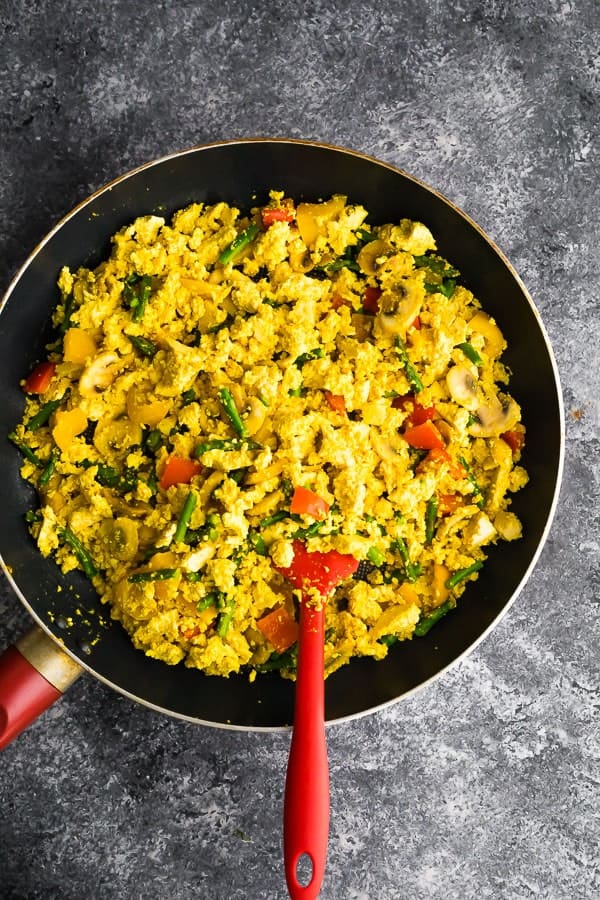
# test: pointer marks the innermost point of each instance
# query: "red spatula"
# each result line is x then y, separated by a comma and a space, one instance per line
306, 805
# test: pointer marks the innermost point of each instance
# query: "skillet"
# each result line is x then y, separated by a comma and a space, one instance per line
73, 631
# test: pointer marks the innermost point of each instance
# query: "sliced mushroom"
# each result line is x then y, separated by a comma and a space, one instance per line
397, 311
462, 387
99, 374
483, 324
256, 415
499, 415
370, 253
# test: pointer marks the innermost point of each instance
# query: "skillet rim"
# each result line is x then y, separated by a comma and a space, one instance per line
108, 186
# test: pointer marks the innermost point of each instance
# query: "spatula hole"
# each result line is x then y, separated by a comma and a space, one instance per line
304, 870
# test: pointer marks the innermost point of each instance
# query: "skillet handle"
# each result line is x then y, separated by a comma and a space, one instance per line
33, 675
306, 805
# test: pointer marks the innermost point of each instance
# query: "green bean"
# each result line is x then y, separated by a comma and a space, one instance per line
156, 575
278, 516
43, 414
388, 639
427, 622
257, 543
232, 412
462, 574
477, 492
412, 570
49, 469
184, 519
214, 598
225, 618
231, 444
471, 353
136, 292
84, 558
409, 369
430, 517
143, 345
240, 242
27, 452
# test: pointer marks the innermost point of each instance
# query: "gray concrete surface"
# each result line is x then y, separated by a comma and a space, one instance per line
485, 785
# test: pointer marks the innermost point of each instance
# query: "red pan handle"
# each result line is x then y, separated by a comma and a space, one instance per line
33, 675
306, 807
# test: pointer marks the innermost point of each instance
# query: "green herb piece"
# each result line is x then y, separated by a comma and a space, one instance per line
411, 570
257, 543
296, 392
436, 264
109, 477
156, 575
237, 475
144, 346
409, 369
477, 492
430, 517
389, 639
239, 243
278, 516
232, 412
317, 353
43, 414
152, 440
462, 574
375, 556
27, 452
188, 397
471, 353
364, 236
278, 661
136, 293
48, 471
427, 622
184, 519
83, 557
225, 323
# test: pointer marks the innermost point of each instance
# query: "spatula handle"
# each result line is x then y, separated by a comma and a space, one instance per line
306, 807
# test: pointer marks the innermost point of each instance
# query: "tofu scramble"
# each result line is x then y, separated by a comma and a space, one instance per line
226, 392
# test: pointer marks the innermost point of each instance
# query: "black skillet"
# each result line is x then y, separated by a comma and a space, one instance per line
66, 611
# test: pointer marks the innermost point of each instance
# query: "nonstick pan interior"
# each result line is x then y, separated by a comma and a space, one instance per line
242, 173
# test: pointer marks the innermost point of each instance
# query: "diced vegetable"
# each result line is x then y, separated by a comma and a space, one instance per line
279, 628
48, 471
336, 402
411, 569
431, 512
449, 503
179, 470
239, 243
38, 381
371, 300
283, 213
317, 353
424, 437
375, 556
83, 557
184, 519
68, 424
417, 414
312, 218
43, 414
306, 502
463, 574
427, 622
232, 412
440, 576
442, 456
143, 409
78, 346
320, 571
471, 353
144, 346
27, 452
515, 440
225, 617
136, 293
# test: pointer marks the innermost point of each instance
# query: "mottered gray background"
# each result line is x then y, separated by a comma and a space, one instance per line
485, 784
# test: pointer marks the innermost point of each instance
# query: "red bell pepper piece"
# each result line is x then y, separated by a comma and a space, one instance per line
416, 323
439, 455
320, 571
424, 437
337, 300
418, 413
279, 628
179, 471
449, 503
371, 300
336, 402
38, 381
270, 214
514, 439
306, 502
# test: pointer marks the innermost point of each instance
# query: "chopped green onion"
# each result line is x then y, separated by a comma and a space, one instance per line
27, 452
240, 242
428, 621
184, 519
83, 557
409, 369
156, 575
471, 353
143, 345
232, 412
462, 574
